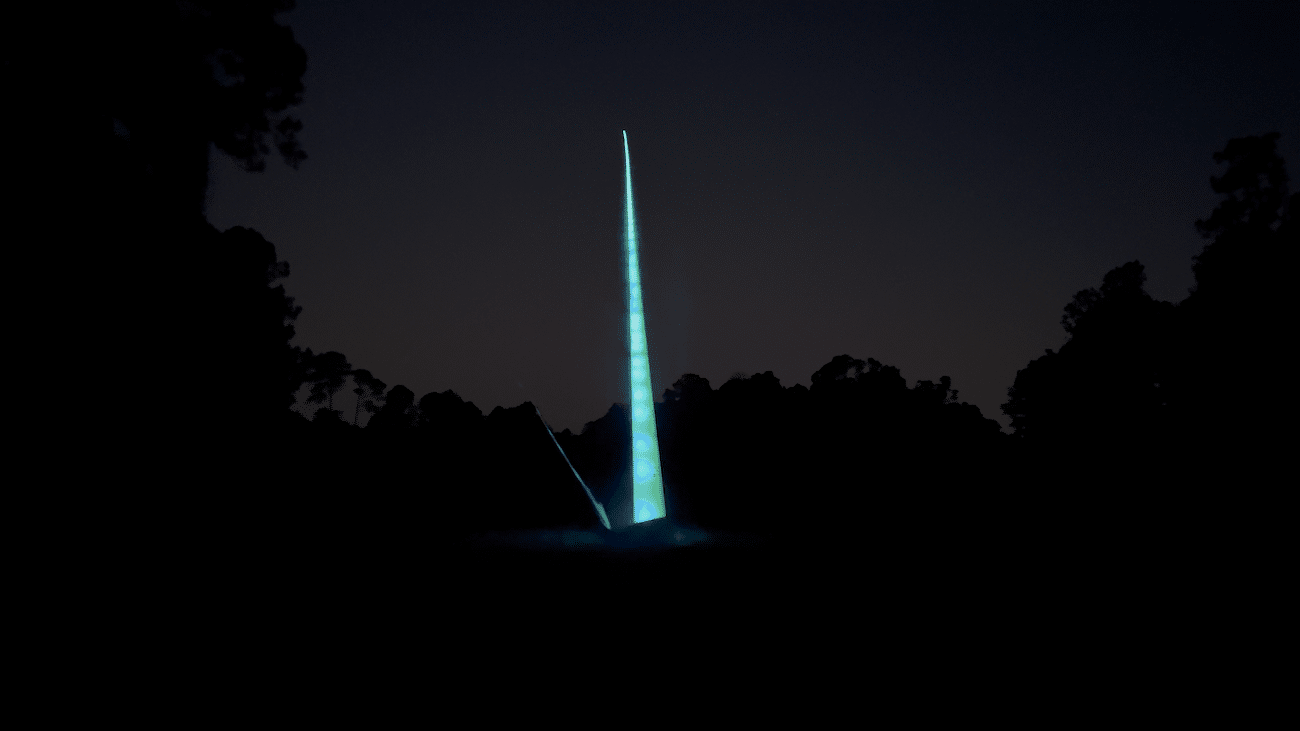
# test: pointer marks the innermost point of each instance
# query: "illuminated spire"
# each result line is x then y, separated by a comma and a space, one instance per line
647, 479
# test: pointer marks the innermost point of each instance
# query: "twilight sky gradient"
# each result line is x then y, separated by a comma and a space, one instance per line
923, 183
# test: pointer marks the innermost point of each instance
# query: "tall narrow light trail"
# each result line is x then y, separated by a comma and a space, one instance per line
647, 480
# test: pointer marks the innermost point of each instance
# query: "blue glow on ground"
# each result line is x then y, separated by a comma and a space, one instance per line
647, 482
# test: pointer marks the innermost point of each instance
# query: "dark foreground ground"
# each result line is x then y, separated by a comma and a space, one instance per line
1148, 579
956, 551
313, 594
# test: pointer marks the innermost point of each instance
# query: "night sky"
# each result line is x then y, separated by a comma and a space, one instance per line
924, 184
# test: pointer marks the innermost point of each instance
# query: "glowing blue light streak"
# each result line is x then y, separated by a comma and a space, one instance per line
647, 480
600, 509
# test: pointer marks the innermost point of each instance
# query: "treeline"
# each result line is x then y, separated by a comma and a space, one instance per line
1139, 375
743, 456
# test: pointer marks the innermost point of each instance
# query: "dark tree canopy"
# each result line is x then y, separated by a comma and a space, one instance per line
1106, 382
182, 75
447, 413
328, 374
369, 391
1254, 187
1248, 230
253, 334
1135, 371
174, 82
398, 412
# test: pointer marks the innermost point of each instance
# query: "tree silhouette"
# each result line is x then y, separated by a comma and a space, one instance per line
178, 80
1139, 373
398, 412
256, 326
328, 374
1233, 320
188, 75
447, 413
1244, 224
690, 389
369, 391
1109, 382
